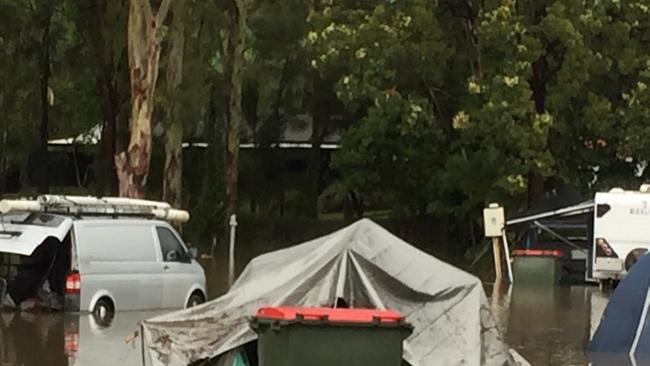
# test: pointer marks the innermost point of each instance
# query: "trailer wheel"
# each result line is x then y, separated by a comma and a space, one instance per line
633, 257
608, 285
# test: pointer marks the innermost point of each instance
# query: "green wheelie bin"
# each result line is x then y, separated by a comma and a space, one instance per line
294, 336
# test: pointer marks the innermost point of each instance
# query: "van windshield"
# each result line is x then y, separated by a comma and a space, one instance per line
34, 218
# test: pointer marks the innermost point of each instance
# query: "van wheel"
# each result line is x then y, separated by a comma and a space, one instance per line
196, 299
104, 312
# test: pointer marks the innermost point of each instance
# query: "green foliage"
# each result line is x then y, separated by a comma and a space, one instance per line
443, 105
399, 155
552, 88
385, 57
501, 137
72, 95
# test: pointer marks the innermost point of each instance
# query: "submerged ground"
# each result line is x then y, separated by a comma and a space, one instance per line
547, 325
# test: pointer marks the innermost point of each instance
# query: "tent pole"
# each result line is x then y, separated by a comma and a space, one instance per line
142, 345
231, 251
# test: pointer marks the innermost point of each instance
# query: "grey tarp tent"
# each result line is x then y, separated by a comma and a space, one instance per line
366, 266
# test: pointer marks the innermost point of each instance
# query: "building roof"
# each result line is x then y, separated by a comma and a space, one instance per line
294, 135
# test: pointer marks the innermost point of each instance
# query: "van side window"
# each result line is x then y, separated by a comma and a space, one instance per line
171, 248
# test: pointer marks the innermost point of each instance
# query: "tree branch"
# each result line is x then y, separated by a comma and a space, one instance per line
163, 10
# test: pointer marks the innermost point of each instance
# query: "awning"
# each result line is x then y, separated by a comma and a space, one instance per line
565, 212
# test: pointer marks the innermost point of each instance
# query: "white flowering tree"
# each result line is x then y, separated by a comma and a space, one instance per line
502, 100
599, 92
387, 57
503, 131
561, 97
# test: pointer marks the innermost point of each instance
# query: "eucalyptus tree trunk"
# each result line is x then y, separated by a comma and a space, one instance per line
172, 177
320, 115
538, 84
104, 55
144, 33
234, 106
46, 99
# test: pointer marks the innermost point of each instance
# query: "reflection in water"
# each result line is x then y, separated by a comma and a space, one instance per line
31, 339
216, 269
216, 276
110, 345
57, 339
35, 339
548, 325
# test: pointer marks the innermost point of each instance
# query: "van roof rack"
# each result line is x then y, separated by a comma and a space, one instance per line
96, 206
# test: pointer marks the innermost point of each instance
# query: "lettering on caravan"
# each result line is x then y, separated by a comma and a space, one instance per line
644, 210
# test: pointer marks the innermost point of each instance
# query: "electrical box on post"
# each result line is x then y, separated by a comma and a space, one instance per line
493, 220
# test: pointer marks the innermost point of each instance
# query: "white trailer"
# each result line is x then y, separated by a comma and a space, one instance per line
616, 226
621, 232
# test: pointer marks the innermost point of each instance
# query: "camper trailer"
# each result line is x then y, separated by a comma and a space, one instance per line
601, 238
621, 232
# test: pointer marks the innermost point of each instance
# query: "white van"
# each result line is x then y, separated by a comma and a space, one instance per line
106, 263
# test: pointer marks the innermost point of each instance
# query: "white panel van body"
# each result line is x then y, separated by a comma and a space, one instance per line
113, 263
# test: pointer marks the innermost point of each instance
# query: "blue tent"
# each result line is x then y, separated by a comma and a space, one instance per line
625, 326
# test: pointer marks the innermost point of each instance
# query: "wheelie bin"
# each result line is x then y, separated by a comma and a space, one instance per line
537, 266
294, 336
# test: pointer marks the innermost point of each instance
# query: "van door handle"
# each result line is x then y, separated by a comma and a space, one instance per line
165, 268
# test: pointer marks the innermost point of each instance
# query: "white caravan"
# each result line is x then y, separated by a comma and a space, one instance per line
621, 232
608, 233
112, 254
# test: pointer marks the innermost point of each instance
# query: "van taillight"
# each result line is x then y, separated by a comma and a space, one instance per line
73, 283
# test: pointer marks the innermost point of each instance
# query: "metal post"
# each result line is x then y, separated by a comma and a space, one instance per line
507, 255
557, 236
496, 249
231, 250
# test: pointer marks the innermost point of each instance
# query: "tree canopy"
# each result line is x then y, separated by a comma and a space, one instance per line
441, 106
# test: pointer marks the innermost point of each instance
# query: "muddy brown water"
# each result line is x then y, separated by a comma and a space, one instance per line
548, 326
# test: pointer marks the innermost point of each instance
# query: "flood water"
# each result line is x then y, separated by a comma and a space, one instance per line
548, 326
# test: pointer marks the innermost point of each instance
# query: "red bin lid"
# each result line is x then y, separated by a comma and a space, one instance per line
537, 253
336, 315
